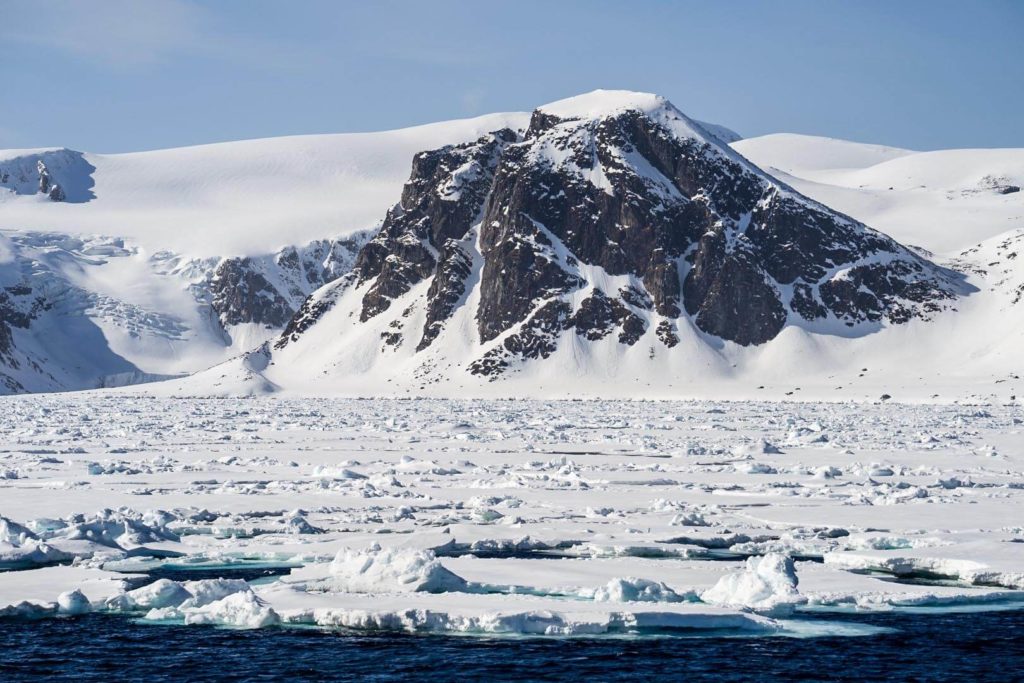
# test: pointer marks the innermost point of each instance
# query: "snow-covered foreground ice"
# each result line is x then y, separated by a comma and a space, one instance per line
507, 517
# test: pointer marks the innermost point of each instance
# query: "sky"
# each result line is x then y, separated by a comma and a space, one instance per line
128, 75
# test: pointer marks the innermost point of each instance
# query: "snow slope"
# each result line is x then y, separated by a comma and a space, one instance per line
945, 201
234, 198
973, 353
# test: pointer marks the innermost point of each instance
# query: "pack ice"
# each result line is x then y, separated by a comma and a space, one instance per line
555, 518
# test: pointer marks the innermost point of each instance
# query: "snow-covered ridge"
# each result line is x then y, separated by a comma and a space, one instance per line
602, 103
60, 175
795, 153
944, 201
229, 199
599, 104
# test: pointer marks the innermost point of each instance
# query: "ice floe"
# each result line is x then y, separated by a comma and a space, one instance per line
766, 584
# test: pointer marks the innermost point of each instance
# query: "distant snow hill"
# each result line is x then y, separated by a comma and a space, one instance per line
605, 245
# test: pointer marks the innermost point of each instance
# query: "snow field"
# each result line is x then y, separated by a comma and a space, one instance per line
244, 198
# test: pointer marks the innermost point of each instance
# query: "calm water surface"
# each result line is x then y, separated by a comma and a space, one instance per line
981, 646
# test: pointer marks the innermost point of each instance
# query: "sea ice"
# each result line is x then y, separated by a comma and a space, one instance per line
387, 570
583, 517
767, 584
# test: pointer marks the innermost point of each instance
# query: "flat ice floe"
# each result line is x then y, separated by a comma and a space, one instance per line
498, 517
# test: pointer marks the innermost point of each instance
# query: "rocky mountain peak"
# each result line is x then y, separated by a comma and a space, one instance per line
614, 212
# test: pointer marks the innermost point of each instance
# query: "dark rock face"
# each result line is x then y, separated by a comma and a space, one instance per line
267, 291
44, 177
537, 338
649, 203
731, 298
805, 304
520, 269
441, 202
446, 289
628, 224
643, 198
19, 306
46, 184
242, 295
667, 334
598, 316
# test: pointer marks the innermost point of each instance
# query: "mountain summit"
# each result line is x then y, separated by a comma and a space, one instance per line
612, 219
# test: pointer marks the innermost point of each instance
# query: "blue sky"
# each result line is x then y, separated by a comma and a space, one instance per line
122, 75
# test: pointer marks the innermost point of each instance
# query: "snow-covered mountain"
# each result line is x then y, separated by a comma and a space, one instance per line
124, 268
616, 247
95, 311
602, 245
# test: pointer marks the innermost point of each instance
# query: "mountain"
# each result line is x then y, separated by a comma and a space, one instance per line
124, 268
605, 245
613, 243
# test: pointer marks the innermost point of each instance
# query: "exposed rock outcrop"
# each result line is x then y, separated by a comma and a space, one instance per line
270, 290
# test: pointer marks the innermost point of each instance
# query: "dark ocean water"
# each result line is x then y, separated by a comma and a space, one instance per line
981, 646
